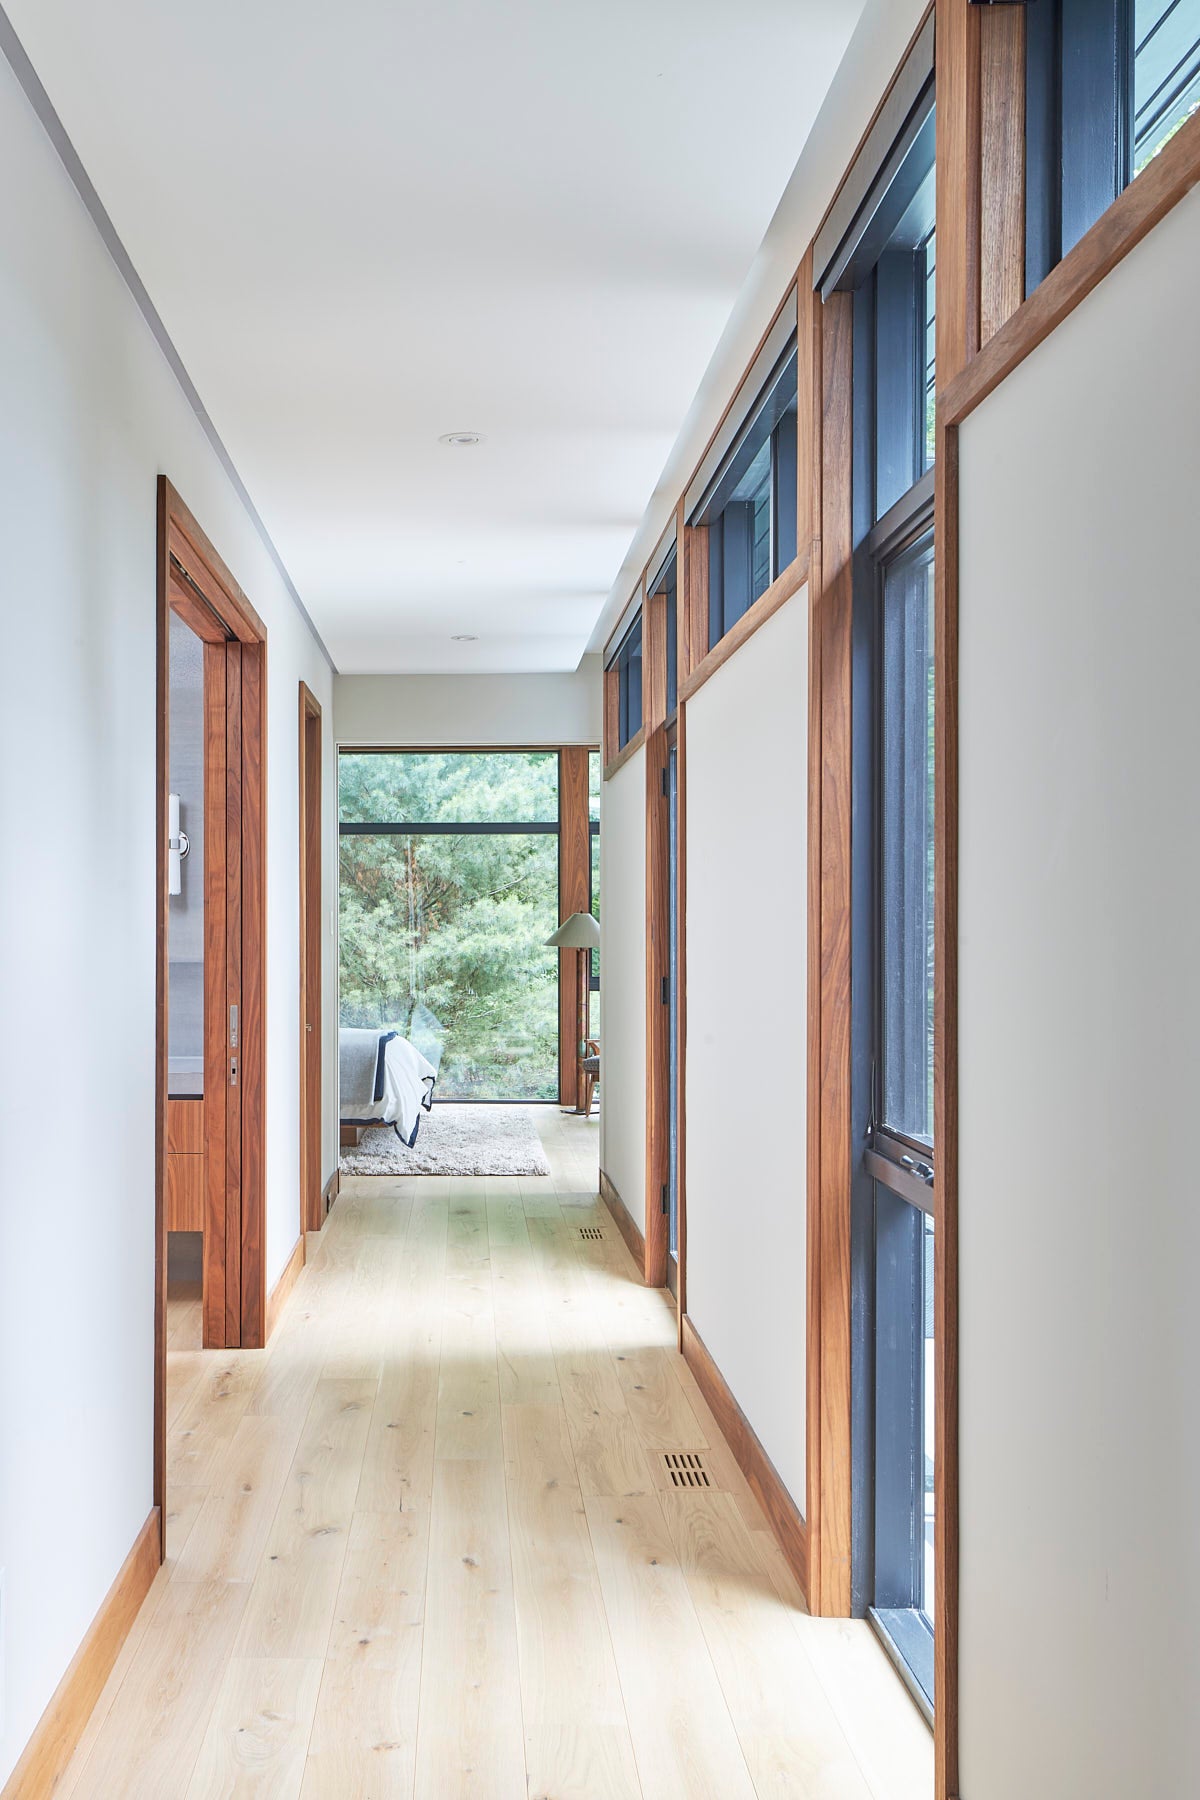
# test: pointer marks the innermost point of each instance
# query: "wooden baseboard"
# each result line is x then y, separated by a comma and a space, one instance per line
634, 1241
331, 1190
278, 1297
781, 1510
46, 1755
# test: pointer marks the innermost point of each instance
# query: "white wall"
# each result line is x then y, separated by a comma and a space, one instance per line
747, 878
623, 984
457, 710
89, 415
1079, 1060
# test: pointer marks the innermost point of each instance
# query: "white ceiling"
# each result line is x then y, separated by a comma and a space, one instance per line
369, 223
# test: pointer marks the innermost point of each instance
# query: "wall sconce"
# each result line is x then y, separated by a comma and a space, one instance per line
177, 846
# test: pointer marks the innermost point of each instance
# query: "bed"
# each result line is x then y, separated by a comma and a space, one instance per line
384, 1079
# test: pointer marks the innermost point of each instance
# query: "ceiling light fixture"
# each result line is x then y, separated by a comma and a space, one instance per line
461, 440
464, 637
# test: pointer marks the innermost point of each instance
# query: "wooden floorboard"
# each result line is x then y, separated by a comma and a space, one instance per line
426, 1544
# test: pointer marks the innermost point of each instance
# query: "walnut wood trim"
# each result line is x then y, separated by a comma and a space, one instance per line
207, 570
635, 1243
574, 895
622, 757
1002, 166
764, 1481
612, 716
278, 1298
1148, 199
657, 1012
807, 447
692, 589
57, 1733
958, 184
780, 591
310, 730
830, 1556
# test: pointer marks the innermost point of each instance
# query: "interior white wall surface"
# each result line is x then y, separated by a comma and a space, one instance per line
746, 1071
623, 984
90, 413
1079, 994
452, 710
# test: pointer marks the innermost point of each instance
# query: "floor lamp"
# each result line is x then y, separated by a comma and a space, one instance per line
580, 933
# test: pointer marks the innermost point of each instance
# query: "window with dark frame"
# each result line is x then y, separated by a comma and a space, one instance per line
1107, 84
887, 260
750, 508
627, 662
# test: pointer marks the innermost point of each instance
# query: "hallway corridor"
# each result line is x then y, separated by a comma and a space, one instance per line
427, 1543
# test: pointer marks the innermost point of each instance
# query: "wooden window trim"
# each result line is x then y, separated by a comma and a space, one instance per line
312, 1212
622, 757
657, 1013
574, 895
780, 591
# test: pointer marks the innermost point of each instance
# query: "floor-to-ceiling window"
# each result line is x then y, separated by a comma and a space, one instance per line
888, 263
449, 891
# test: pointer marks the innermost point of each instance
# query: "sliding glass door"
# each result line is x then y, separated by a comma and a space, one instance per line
449, 891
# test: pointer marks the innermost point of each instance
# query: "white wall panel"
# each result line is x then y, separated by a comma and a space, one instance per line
623, 984
747, 859
1079, 1057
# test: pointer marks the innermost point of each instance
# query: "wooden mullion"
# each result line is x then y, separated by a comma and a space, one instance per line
216, 1073
252, 1272
1002, 167
657, 1013
692, 589
233, 994
834, 628
958, 185
574, 895
654, 660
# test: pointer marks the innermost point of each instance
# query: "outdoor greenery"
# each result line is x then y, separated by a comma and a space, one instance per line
443, 935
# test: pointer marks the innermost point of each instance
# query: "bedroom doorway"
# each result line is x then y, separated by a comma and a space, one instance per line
210, 956
312, 1205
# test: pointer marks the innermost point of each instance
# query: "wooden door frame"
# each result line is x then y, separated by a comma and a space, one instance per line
194, 582
311, 747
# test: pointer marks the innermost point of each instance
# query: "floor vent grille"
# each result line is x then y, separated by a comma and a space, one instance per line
686, 1469
590, 1233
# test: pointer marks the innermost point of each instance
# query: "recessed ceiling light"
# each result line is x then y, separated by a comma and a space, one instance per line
461, 440
464, 637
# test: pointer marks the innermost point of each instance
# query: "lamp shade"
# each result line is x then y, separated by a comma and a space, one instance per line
579, 932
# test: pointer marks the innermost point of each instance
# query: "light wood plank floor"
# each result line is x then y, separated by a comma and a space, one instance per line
426, 1544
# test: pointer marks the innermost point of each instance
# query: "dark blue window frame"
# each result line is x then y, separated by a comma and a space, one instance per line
628, 664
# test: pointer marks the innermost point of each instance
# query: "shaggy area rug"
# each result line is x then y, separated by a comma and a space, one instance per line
453, 1140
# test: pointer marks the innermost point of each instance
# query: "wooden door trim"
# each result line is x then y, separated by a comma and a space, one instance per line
574, 895
193, 579
312, 1208
657, 1011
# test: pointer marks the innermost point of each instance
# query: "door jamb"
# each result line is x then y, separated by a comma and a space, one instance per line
312, 1060
209, 599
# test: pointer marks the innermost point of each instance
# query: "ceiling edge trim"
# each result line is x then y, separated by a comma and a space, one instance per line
27, 76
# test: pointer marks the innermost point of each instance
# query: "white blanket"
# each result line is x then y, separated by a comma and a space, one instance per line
408, 1079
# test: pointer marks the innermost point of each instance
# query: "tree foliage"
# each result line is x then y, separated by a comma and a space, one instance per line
455, 924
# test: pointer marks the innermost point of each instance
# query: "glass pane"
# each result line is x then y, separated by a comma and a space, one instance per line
185, 909
443, 939
1166, 72
594, 784
393, 787
906, 862
929, 253
629, 676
